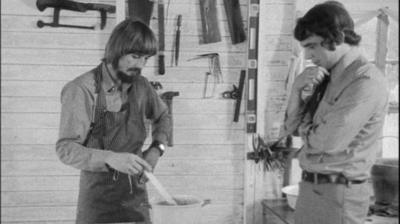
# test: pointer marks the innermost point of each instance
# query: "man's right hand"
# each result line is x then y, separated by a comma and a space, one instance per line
309, 77
127, 163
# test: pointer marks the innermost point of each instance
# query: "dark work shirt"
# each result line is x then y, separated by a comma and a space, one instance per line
77, 112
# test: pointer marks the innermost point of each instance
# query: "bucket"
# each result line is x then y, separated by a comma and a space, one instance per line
188, 210
385, 180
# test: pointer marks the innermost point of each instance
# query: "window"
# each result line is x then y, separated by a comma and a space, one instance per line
382, 48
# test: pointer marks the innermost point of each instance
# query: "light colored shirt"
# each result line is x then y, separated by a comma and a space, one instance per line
342, 137
77, 113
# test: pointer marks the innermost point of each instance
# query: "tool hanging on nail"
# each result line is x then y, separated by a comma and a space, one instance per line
235, 23
236, 94
177, 38
141, 10
209, 21
232, 94
156, 85
240, 93
73, 6
161, 38
214, 70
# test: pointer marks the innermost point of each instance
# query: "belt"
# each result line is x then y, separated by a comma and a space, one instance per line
337, 178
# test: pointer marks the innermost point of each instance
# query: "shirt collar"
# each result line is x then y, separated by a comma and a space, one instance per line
344, 62
109, 85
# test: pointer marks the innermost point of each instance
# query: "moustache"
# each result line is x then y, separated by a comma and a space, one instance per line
135, 71
128, 78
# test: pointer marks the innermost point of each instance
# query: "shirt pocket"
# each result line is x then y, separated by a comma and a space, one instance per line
113, 102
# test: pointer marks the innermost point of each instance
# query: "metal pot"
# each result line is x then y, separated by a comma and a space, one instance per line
385, 180
188, 210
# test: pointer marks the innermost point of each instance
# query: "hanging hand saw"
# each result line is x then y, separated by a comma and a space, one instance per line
209, 21
235, 23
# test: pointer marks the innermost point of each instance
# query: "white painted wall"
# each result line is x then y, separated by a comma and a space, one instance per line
207, 158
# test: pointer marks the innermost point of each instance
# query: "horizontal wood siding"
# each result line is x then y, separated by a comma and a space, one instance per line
208, 156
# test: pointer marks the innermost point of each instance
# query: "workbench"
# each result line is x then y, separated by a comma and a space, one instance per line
127, 223
277, 211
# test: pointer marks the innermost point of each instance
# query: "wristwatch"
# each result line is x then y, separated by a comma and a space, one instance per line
159, 146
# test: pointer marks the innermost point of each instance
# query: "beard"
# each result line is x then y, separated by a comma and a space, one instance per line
125, 78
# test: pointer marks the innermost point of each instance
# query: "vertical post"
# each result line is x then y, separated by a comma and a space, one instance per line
252, 66
381, 49
381, 40
251, 208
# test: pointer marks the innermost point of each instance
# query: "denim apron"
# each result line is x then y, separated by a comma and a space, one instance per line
107, 197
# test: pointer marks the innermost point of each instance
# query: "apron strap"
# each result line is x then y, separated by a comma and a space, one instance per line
97, 111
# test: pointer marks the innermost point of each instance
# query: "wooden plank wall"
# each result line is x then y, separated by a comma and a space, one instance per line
208, 156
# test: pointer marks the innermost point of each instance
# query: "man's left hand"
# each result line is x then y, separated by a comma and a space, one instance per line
151, 156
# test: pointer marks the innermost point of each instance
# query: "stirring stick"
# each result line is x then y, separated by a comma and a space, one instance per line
160, 188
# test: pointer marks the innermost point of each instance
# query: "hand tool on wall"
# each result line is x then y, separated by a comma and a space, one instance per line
252, 70
177, 38
140, 10
161, 38
239, 96
209, 21
235, 23
233, 94
236, 94
73, 6
214, 72
167, 97
156, 85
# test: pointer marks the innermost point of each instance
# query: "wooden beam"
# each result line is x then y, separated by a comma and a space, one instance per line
381, 41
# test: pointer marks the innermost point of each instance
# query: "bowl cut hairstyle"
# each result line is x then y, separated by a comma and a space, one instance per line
331, 21
130, 36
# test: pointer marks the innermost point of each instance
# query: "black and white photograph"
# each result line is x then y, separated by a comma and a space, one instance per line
199, 111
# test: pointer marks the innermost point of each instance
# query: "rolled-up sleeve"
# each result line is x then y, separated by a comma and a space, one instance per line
335, 130
76, 112
157, 111
295, 114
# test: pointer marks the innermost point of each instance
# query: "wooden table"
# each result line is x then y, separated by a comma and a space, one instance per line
277, 211
126, 223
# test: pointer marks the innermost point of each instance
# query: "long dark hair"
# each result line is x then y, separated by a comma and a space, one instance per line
331, 21
130, 36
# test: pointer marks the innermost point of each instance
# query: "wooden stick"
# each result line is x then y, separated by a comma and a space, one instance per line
164, 193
